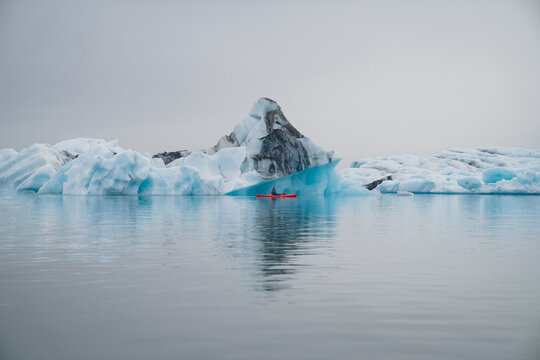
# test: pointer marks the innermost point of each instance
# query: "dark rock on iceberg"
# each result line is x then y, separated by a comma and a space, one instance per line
168, 157
274, 147
65, 156
372, 185
280, 154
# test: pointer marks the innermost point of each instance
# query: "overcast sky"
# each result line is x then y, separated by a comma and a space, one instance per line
365, 78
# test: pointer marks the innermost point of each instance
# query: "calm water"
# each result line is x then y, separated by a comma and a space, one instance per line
378, 277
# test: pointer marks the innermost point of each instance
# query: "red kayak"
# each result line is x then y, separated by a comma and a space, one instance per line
277, 196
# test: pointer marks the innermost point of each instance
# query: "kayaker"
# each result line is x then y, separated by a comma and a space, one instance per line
274, 192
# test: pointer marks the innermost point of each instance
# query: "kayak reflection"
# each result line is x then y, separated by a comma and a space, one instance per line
289, 231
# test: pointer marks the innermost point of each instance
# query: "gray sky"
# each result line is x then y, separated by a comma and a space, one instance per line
365, 78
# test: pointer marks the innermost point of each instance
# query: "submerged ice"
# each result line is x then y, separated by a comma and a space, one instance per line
263, 150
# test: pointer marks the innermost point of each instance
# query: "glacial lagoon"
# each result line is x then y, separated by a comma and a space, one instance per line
363, 277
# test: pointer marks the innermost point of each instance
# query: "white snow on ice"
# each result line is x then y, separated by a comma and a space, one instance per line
104, 168
96, 167
477, 170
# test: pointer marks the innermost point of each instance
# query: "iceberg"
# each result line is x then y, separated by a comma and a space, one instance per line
262, 148
107, 169
482, 170
264, 142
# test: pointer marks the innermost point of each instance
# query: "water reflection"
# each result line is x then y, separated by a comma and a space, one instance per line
271, 240
321, 277
268, 238
287, 229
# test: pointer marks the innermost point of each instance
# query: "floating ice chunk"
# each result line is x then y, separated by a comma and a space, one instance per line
404, 193
107, 169
454, 171
263, 146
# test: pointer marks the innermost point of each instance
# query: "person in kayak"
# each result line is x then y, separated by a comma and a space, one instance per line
274, 192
